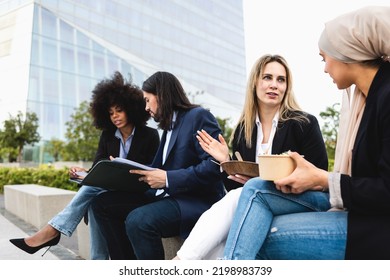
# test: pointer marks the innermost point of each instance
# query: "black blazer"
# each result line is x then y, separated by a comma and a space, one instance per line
302, 137
366, 194
143, 147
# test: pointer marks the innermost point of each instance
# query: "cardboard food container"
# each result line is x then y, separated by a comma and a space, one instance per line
275, 167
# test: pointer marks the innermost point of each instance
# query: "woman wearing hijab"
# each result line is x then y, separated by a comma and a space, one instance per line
356, 51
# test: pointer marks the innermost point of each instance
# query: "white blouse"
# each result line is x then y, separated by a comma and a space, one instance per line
265, 148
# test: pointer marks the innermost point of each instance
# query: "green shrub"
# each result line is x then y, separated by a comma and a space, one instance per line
45, 176
331, 165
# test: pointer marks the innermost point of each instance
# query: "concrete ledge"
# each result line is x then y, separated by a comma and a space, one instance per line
171, 246
36, 205
83, 241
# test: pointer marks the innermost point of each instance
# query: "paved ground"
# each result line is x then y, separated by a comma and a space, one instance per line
13, 227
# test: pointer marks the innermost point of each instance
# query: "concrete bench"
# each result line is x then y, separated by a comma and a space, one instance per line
171, 246
37, 204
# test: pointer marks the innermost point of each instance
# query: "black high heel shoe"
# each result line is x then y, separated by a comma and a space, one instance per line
21, 244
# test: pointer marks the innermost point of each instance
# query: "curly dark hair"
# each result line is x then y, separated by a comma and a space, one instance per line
117, 92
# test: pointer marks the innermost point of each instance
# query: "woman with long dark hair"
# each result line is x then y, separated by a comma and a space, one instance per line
184, 184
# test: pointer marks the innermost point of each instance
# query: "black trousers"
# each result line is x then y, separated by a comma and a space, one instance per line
133, 224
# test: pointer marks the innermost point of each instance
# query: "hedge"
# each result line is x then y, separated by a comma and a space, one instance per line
45, 176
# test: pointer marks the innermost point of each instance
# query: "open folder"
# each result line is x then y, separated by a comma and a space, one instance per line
115, 175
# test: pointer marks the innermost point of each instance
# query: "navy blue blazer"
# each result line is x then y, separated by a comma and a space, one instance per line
302, 137
194, 181
143, 146
366, 194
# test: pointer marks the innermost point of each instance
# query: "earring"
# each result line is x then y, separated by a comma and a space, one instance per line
386, 58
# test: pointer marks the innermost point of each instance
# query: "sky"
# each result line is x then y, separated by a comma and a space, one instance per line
291, 29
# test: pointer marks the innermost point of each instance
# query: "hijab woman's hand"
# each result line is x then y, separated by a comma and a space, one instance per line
305, 177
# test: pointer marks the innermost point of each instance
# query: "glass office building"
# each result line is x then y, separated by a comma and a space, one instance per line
53, 52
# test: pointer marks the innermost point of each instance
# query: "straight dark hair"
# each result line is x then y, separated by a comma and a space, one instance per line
170, 94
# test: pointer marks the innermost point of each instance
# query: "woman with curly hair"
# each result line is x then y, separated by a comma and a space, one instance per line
118, 110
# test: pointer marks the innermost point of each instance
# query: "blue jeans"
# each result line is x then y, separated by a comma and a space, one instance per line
67, 220
306, 236
258, 205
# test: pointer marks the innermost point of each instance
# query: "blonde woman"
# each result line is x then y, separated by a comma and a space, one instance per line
356, 51
271, 122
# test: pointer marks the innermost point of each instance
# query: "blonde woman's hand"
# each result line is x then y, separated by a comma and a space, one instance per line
305, 177
217, 149
239, 178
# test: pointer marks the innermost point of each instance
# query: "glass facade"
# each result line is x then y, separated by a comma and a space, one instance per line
65, 66
202, 41
73, 44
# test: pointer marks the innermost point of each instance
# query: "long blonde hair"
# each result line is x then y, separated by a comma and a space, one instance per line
251, 107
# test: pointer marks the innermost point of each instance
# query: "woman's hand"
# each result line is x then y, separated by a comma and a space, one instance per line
305, 177
239, 178
156, 179
73, 172
218, 150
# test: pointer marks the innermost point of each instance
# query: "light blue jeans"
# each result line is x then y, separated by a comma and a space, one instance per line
262, 215
67, 220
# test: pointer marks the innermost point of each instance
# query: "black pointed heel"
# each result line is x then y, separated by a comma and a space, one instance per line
21, 244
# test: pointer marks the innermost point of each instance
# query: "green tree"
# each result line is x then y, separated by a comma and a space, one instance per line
18, 132
55, 147
331, 116
8, 153
226, 129
82, 137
